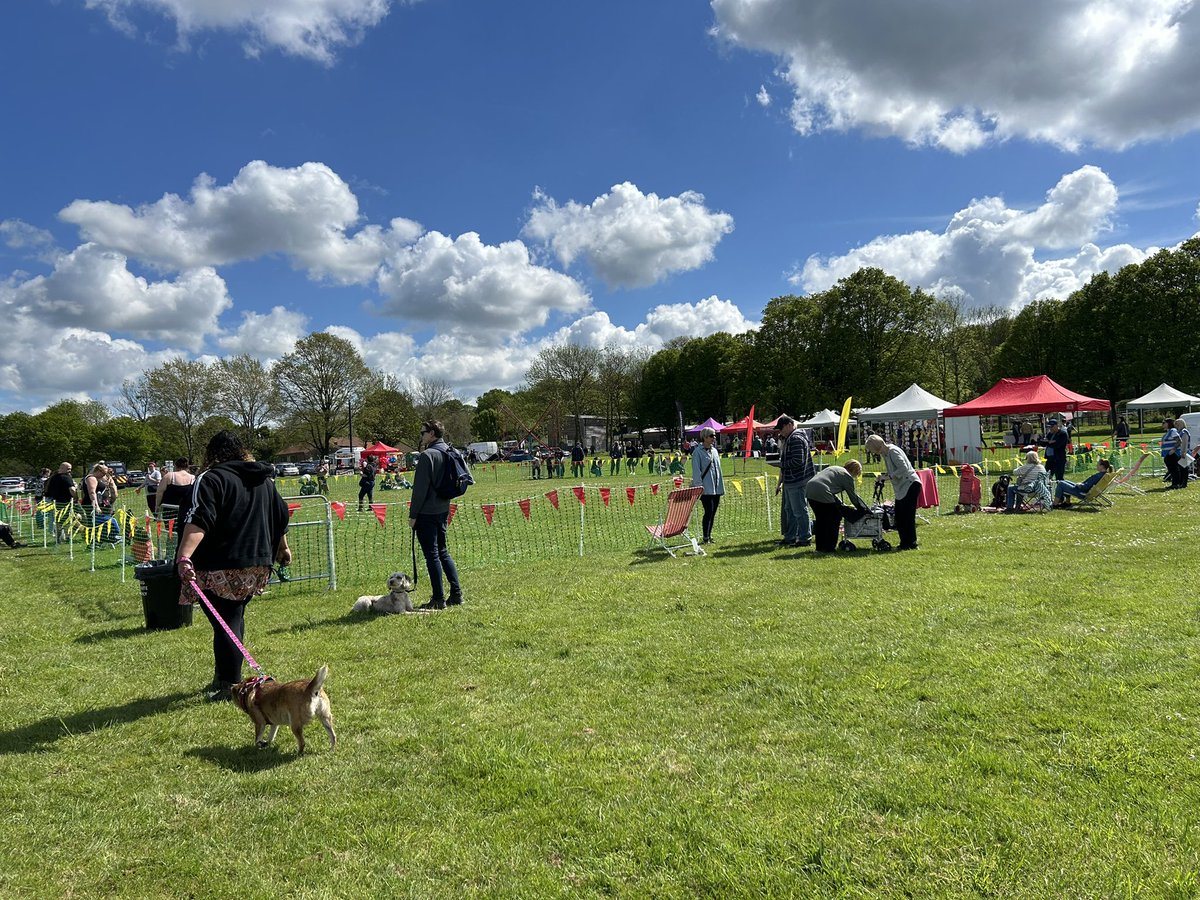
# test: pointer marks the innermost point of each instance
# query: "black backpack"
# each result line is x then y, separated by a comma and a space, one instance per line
456, 475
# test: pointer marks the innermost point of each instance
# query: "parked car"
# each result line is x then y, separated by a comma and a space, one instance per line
134, 479
12, 485
283, 470
308, 468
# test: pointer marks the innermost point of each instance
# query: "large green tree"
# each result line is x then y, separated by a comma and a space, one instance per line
246, 393
319, 381
186, 391
568, 373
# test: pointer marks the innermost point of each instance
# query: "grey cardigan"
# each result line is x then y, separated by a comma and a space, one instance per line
825, 486
706, 470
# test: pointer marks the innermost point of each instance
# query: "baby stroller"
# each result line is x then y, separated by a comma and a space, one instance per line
870, 525
970, 491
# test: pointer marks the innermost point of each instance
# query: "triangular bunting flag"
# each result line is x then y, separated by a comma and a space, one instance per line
737, 485
524, 504
450, 515
170, 528
380, 510
339, 510
630, 492
552, 496
762, 481
678, 482
605, 493
579, 495
489, 510
292, 507
654, 489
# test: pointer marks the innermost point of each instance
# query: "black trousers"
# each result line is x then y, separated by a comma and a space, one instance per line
827, 517
1057, 466
226, 656
367, 491
710, 502
906, 516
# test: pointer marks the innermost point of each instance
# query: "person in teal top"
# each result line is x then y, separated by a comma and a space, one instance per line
706, 473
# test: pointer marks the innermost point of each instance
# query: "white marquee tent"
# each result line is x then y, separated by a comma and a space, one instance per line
913, 403
1162, 396
826, 417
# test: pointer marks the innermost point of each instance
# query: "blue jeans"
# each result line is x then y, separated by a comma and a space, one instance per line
431, 535
798, 527
1071, 488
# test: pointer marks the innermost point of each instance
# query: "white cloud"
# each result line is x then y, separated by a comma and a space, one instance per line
91, 289
988, 252
266, 336
313, 29
958, 75
763, 98
388, 351
303, 212
23, 236
663, 323
468, 288
630, 239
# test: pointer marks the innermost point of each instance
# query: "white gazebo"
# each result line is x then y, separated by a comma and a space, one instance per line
1163, 396
914, 402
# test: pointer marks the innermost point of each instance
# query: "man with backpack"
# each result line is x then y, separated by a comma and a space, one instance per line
441, 475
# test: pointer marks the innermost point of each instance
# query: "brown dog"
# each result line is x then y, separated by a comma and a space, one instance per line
296, 703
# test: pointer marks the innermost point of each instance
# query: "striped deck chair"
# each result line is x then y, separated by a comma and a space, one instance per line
1095, 497
674, 523
1035, 496
1124, 480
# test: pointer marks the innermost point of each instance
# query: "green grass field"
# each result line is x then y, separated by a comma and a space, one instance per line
1009, 712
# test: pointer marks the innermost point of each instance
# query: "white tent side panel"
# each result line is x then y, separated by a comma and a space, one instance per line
963, 431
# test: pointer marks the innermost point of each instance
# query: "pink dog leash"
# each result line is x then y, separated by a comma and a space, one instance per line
195, 587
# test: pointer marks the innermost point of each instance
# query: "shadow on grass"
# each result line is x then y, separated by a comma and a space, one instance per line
34, 737
109, 634
349, 618
246, 758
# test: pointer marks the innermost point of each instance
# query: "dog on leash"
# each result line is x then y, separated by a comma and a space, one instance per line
270, 704
395, 601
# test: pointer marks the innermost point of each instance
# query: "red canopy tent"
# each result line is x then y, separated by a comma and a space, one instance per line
379, 448
1039, 394
740, 425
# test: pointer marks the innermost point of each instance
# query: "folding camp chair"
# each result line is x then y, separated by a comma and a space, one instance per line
1124, 479
1095, 497
674, 523
1035, 496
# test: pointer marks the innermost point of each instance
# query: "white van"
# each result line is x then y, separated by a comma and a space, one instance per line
485, 450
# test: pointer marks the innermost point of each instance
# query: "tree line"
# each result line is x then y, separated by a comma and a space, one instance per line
869, 336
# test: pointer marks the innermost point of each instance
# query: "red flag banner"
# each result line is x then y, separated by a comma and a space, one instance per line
380, 511
552, 496
453, 510
170, 528
629, 492
524, 504
159, 528
489, 510
605, 493
654, 489
749, 433
339, 510
578, 491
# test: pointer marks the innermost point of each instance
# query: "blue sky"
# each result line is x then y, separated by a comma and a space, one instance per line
455, 184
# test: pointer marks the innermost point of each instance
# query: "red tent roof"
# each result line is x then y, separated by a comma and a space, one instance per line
1016, 395
379, 448
740, 424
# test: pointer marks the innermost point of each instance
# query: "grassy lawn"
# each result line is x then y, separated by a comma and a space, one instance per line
1009, 712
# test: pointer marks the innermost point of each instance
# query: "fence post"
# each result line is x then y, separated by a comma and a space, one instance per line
329, 546
581, 522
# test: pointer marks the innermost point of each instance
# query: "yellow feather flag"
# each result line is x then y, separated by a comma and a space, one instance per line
843, 425
737, 484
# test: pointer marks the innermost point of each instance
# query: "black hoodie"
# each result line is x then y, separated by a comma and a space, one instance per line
242, 515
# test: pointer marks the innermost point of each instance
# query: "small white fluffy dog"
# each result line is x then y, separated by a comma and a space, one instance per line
397, 601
